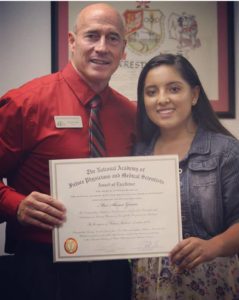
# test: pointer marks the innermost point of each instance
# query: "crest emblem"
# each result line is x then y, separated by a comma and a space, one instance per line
144, 29
184, 29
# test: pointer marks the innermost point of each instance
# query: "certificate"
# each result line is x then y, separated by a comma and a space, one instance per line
117, 208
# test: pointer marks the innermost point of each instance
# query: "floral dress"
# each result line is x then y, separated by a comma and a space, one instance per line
155, 279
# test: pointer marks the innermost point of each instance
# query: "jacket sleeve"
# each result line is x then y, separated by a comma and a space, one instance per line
230, 182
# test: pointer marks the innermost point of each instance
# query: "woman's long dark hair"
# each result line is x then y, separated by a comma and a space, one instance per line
202, 112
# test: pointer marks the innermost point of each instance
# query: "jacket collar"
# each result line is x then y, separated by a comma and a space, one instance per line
202, 142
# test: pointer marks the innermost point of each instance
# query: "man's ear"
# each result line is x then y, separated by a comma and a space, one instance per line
71, 41
123, 52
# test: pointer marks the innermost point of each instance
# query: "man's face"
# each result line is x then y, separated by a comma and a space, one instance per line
97, 46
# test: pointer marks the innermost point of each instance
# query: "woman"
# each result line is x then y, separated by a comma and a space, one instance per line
175, 117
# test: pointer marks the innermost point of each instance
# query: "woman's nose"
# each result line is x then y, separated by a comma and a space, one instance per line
163, 99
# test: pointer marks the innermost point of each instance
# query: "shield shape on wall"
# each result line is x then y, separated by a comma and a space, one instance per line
144, 29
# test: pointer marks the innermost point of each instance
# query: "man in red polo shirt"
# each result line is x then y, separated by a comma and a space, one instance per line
30, 137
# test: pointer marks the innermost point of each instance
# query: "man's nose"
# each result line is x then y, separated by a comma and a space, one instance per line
101, 44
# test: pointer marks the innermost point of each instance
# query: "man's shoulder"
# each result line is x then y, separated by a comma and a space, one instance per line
38, 83
35, 85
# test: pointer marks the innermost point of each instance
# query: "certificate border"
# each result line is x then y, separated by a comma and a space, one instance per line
54, 164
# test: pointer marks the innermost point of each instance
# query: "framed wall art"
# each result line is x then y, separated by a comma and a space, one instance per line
202, 31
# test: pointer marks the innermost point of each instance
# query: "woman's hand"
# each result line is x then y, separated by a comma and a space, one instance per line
193, 251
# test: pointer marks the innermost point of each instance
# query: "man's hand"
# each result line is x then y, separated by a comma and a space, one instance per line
41, 210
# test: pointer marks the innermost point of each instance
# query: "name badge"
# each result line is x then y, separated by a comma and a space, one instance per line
68, 121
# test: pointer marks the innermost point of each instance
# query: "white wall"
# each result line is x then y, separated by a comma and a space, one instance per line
233, 124
25, 51
25, 48
25, 42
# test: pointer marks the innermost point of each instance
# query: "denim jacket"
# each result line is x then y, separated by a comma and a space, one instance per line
209, 183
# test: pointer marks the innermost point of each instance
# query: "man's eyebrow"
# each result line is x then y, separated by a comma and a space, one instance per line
114, 33
92, 31
98, 31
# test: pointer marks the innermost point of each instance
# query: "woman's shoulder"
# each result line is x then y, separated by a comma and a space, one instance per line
224, 138
225, 143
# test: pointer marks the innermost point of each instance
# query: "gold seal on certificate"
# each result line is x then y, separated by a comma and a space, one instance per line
70, 246
117, 207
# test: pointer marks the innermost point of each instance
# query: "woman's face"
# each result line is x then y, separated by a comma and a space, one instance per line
169, 98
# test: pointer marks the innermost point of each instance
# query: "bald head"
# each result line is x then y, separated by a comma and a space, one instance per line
100, 10
97, 44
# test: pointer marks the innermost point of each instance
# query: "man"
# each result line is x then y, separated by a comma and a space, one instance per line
30, 137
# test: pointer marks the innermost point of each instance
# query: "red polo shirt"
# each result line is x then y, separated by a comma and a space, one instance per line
29, 137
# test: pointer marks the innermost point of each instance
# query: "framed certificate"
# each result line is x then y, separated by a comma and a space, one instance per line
117, 208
